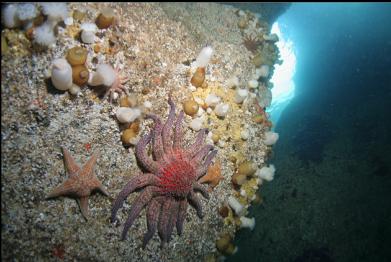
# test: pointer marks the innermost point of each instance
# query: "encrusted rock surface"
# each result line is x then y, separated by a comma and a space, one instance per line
153, 46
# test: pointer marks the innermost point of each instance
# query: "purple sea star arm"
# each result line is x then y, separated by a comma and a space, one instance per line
195, 201
209, 158
153, 212
157, 141
135, 183
194, 148
202, 170
173, 219
182, 212
137, 206
201, 189
142, 156
166, 134
202, 153
165, 219
178, 135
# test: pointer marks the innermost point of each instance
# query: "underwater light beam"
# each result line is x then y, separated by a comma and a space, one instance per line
282, 79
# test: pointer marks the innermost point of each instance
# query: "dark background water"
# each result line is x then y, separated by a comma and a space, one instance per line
331, 196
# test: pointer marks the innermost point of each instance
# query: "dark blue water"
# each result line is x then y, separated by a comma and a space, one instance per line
331, 196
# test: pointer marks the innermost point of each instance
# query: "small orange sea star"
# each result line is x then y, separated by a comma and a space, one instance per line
81, 181
213, 176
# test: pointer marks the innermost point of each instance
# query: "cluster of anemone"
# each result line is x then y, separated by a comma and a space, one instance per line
42, 18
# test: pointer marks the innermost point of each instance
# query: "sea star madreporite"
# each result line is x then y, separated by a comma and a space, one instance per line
171, 181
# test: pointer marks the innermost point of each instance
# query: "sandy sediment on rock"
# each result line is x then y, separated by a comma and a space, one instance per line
153, 46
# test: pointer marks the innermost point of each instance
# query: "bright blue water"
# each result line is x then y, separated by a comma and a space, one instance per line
330, 199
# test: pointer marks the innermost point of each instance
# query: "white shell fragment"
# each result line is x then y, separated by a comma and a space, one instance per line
114, 96
212, 100
200, 111
127, 115
147, 104
87, 37
196, 123
244, 134
68, 21
74, 90
253, 83
221, 110
243, 193
88, 33
232, 82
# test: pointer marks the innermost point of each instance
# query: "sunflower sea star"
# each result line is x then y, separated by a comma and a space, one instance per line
171, 179
252, 44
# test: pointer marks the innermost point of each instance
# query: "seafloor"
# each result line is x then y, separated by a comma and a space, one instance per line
153, 46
